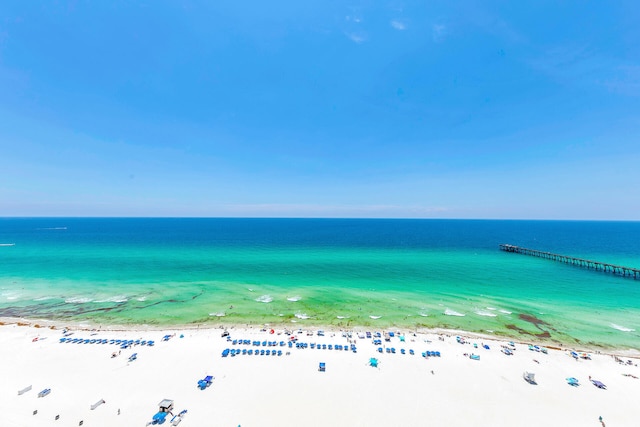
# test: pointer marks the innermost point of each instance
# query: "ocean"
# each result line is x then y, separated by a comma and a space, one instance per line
373, 273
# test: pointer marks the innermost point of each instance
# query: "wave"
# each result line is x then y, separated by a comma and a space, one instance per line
504, 311
220, 314
375, 317
485, 313
622, 328
342, 317
491, 308
294, 299
7, 244
51, 228
117, 299
77, 300
423, 314
43, 298
450, 312
141, 299
264, 298
302, 316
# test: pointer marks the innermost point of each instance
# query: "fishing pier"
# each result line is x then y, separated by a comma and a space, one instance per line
618, 270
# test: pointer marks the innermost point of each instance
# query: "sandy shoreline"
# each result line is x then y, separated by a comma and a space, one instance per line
288, 389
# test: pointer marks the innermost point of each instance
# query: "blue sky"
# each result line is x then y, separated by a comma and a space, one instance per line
438, 109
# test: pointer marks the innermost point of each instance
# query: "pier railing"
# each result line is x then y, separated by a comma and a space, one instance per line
584, 263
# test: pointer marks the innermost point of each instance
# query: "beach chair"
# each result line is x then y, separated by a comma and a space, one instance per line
133, 357
322, 367
159, 418
402, 351
178, 418
529, 377
598, 384
44, 392
225, 352
411, 352
205, 382
474, 357
573, 382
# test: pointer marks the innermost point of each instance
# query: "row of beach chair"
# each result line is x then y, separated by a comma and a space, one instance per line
250, 352
122, 343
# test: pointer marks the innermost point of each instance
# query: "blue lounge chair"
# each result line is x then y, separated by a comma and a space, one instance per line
159, 418
411, 352
402, 351
322, 367
205, 382
393, 350
262, 352
279, 352
573, 382
225, 352
250, 352
133, 357
436, 353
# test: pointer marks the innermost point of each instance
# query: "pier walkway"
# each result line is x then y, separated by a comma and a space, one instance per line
585, 263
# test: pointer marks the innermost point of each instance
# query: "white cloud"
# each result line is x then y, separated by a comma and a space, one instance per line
357, 37
439, 31
398, 25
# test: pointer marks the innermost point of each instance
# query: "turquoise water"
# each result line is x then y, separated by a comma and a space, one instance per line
377, 273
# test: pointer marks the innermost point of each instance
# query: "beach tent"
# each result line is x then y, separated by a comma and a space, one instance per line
529, 377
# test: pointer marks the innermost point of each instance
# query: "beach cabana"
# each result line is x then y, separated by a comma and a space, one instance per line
166, 405
529, 377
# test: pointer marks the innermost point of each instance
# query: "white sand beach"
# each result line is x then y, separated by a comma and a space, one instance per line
289, 390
